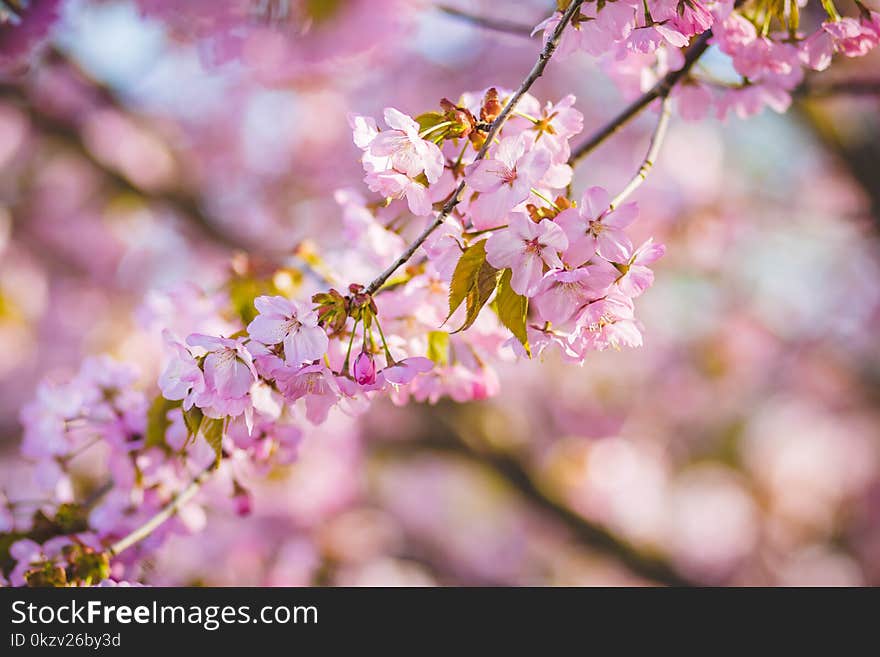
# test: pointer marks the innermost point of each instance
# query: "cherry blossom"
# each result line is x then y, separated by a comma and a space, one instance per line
291, 324
229, 374
594, 227
182, 377
526, 247
505, 180
476, 249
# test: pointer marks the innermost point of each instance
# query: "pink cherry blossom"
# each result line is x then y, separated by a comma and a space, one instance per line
817, 50
851, 37
396, 158
563, 292
292, 324
408, 152
394, 185
691, 17
362, 227
404, 371
733, 33
182, 378
229, 374
596, 32
504, 180
608, 322
752, 99
363, 130
313, 383
556, 124
525, 247
266, 172
593, 227
650, 37
638, 277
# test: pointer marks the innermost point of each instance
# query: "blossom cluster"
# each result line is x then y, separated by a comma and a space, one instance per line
563, 274
100, 410
485, 255
506, 241
556, 273
767, 47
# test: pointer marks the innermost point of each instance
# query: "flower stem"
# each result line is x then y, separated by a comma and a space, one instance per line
545, 199
525, 116
348, 353
477, 233
388, 357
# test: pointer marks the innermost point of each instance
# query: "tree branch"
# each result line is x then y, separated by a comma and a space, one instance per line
455, 199
494, 24
650, 157
855, 87
592, 536
660, 90
157, 520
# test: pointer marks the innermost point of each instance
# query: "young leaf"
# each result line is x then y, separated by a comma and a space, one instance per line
428, 120
465, 273
193, 420
157, 421
212, 430
473, 282
438, 347
428, 126
512, 309
484, 285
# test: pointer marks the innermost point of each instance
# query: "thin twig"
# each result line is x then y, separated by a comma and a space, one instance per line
455, 199
855, 87
660, 89
650, 157
167, 512
494, 24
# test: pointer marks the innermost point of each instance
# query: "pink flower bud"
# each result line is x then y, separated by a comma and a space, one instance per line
364, 369
241, 500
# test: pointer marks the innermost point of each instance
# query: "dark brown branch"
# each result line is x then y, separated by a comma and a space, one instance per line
591, 535
855, 87
494, 24
859, 156
68, 133
660, 89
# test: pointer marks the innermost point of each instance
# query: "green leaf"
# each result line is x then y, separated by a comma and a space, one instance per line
465, 271
438, 347
193, 420
157, 421
487, 278
212, 430
512, 309
473, 282
430, 120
